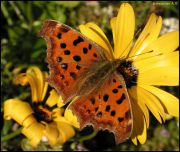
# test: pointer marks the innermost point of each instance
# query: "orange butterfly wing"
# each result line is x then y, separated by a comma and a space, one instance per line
68, 54
108, 108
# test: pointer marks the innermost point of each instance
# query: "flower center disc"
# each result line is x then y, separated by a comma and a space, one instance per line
43, 113
128, 71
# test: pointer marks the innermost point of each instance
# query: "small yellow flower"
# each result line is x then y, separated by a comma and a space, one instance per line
158, 66
37, 119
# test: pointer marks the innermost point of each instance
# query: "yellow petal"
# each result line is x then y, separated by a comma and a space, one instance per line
139, 125
45, 75
134, 140
147, 39
57, 115
24, 79
164, 44
124, 30
147, 29
96, 28
165, 76
65, 130
21, 79
29, 120
153, 104
39, 80
113, 26
170, 102
140, 102
18, 110
97, 37
54, 99
52, 133
72, 119
164, 60
34, 133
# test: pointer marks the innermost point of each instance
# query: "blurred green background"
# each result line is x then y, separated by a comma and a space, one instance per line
20, 48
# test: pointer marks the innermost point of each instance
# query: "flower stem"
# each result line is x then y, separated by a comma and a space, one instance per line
84, 138
11, 135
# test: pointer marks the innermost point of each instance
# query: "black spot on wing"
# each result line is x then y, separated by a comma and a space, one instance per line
77, 41
90, 46
92, 100
59, 59
108, 108
78, 67
113, 113
77, 58
64, 66
73, 75
115, 90
105, 97
64, 28
99, 114
67, 52
120, 100
59, 35
85, 50
128, 114
120, 119
63, 45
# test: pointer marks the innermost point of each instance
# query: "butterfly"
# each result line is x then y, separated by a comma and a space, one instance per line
79, 68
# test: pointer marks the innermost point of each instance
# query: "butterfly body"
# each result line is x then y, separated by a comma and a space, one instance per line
79, 67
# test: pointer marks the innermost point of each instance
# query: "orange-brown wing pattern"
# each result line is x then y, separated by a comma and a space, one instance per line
108, 108
68, 54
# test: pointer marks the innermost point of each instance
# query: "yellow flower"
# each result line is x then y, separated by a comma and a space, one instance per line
157, 65
38, 120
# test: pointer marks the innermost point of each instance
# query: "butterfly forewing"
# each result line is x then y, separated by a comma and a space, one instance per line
68, 54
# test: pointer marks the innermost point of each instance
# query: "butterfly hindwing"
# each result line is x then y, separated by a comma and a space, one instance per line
108, 108
69, 53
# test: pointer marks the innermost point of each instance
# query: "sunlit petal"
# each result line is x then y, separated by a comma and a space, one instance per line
57, 115
134, 140
165, 76
96, 28
147, 39
140, 102
124, 30
39, 79
54, 99
164, 60
97, 37
71, 118
147, 29
52, 133
17, 110
34, 133
139, 124
153, 104
45, 75
65, 130
113, 26
25, 79
170, 102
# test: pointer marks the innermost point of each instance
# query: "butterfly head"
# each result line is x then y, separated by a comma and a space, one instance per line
128, 71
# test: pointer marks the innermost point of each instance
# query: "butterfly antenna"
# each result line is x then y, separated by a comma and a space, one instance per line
149, 56
135, 37
140, 54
